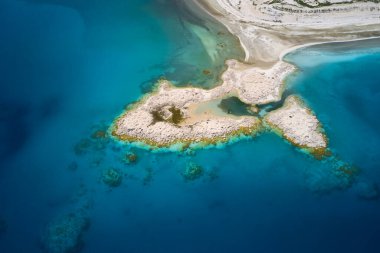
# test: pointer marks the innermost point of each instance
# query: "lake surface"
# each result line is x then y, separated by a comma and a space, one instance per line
68, 68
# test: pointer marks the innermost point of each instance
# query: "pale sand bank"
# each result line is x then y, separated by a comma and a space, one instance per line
166, 117
268, 28
171, 115
256, 85
267, 31
189, 115
298, 124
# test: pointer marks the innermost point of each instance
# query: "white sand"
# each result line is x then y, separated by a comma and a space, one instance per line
297, 123
138, 124
266, 31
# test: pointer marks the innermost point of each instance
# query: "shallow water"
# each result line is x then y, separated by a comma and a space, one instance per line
67, 70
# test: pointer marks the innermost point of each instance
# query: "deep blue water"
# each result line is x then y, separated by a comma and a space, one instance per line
68, 68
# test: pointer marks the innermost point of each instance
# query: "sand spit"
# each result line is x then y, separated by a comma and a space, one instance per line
298, 124
266, 29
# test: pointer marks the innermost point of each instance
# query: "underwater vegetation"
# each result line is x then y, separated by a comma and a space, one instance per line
99, 134
99, 150
131, 157
112, 177
192, 172
206, 72
87, 145
334, 174
331, 173
64, 235
97, 141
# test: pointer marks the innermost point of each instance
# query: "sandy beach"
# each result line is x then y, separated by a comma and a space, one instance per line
267, 32
265, 36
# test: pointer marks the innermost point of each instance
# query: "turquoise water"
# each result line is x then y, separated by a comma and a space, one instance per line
341, 84
68, 68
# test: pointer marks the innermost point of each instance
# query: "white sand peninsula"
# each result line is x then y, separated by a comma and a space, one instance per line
173, 115
297, 124
267, 30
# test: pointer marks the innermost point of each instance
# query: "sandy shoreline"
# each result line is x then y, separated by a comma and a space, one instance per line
269, 42
169, 117
292, 49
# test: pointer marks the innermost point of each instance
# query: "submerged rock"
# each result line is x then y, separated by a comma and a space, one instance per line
192, 172
82, 147
96, 141
131, 157
64, 235
112, 177
206, 72
333, 175
99, 134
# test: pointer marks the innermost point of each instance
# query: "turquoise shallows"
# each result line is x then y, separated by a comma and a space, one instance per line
68, 68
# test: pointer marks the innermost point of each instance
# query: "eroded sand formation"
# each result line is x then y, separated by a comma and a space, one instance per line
184, 116
266, 29
298, 124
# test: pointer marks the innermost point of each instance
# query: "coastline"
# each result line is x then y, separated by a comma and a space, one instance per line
214, 13
266, 42
295, 48
259, 73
